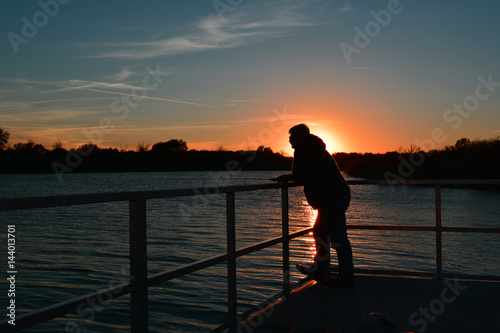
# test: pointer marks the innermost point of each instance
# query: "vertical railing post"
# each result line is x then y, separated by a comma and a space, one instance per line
231, 261
286, 240
439, 253
138, 265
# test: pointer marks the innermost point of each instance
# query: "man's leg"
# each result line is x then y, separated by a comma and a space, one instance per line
322, 239
341, 244
338, 231
320, 269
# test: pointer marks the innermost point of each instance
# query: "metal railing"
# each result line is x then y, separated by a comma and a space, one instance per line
438, 228
140, 281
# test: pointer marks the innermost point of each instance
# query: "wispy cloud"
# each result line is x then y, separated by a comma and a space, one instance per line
71, 84
13, 105
91, 85
206, 125
43, 117
68, 85
233, 102
61, 100
124, 74
213, 32
78, 84
244, 100
359, 68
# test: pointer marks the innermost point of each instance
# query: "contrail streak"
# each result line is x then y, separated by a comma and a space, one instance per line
106, 92
141, 96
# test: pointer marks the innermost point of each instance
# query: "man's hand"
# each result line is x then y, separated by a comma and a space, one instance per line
283, 178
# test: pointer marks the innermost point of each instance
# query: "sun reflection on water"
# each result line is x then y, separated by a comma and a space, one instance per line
310, 213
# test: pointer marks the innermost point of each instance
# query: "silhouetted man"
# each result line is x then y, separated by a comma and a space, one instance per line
327, 191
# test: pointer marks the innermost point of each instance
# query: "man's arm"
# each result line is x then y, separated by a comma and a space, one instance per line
298, 170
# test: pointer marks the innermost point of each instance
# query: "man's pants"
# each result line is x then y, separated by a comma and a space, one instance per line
330, 227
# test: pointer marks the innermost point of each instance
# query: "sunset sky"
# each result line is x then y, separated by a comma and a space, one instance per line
367, 76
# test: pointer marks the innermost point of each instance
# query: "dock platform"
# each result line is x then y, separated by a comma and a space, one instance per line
412, 304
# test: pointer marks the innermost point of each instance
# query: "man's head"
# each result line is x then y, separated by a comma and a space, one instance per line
297, 134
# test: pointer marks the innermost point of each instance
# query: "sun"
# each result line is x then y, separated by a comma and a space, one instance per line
333, 144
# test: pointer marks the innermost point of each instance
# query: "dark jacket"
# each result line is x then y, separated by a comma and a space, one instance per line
317, 170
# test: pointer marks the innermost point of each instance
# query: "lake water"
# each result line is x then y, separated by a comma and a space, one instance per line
66, 252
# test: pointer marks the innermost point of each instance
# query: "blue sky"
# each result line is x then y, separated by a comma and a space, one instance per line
238, 74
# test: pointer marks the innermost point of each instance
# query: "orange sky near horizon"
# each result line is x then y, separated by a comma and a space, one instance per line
347, 124
346, 119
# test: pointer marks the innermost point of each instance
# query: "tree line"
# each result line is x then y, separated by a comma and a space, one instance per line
466, 159
171, 155
30, 146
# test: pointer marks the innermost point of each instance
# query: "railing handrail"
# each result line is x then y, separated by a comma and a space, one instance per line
140, 281
92, 198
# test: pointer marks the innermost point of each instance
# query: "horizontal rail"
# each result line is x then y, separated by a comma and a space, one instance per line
202, 264
426, 182
423, 228
387, 272
268, 243
73, 305
186, 269
92, 198
390, 227
64, 200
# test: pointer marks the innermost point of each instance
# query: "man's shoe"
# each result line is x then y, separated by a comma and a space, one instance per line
306, 270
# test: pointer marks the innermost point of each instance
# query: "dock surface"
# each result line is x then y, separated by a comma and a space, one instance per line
412, 304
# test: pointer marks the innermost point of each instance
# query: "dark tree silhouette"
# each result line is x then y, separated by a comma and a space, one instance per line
87, 148
170, 146
265, 150
462, 143
142, 147
30, 147
57, 145
4, 138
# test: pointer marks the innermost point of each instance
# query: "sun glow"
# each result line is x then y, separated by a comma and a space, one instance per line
330, 137
333, 144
